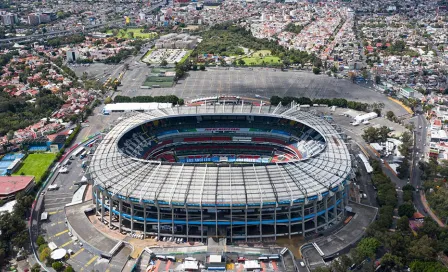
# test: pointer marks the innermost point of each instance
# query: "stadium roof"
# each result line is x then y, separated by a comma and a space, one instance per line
214, 185
135, 106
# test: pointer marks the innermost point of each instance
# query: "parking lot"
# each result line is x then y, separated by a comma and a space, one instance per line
55, 229
256, 82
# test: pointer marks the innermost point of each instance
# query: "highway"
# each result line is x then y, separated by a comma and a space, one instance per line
77, 30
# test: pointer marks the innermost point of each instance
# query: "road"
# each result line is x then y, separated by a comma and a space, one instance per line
420, 138
53, 202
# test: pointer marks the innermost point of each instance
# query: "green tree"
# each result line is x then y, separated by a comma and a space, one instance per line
58, 266
35, 268
367, 247
403, 169
10, 135
108, 100
370, 134
69, 268
45, 255
202, 67
422, 249
316, 70
163, 63
377, 79
241, 62
275, 100
390, 115
403, 223
40, 240
406, 209
391, 262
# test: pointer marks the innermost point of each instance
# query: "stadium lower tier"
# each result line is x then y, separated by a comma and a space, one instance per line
236, 223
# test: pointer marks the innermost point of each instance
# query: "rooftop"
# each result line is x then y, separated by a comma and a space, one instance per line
13, 184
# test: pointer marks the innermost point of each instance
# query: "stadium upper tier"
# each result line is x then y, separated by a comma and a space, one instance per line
145, 157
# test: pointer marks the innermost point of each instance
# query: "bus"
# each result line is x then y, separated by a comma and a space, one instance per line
83, 155
78, 151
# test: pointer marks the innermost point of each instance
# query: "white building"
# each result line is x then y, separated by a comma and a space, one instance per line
407, 92
72, 55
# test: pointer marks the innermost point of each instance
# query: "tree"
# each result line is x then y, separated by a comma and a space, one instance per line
377, 79
422, 249
69, 268
370, 134
403, 224
45, 255
58, 266
10, 135
202, 67
367, 247
241, 62
316, 70
164, 63
391, 262
275, 100
35, 268
383, 133
40, 240
365, 74
403, 169
406, 209
390, 115
108, 100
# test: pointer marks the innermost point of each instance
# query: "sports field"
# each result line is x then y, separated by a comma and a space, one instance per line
258, 57
136, 33
36, 165
160, 77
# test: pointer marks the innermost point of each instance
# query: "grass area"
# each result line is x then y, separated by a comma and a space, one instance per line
186, 56
258, 61
260, 56
36, 165
136, 33
147, 53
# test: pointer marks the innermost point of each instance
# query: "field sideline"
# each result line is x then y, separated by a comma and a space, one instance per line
36, 165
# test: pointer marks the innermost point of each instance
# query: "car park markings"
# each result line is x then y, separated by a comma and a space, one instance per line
60, 233
77, 253
54, 224
91, 261
68, 243
55, 212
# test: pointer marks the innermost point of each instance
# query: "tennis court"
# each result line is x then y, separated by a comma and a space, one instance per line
7, 160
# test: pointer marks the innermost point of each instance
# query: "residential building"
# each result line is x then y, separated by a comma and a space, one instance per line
407, 92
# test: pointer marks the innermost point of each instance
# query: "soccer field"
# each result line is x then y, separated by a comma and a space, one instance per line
36, 165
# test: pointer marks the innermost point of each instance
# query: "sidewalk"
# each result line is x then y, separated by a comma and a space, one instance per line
429, 211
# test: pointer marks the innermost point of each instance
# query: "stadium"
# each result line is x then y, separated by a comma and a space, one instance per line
235, 171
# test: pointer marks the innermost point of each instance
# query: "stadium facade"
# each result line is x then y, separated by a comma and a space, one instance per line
235, 171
